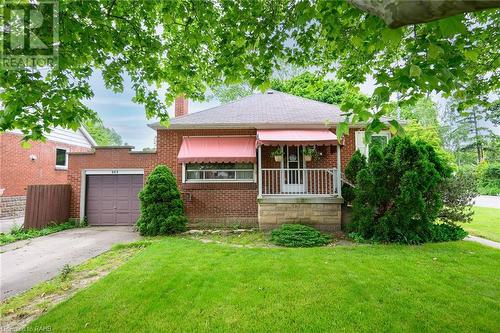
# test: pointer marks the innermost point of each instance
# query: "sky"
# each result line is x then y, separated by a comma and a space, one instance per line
126, 117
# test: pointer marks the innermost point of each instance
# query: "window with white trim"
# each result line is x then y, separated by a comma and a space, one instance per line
219, 172
61, 158
381, 139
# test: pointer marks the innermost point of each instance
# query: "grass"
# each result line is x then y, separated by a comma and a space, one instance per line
486, 223
17, 233
17, 311
179, 284
247, 238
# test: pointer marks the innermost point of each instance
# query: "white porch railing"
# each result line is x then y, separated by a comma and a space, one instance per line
299, 182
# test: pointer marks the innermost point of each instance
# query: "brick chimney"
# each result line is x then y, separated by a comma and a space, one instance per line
181, 106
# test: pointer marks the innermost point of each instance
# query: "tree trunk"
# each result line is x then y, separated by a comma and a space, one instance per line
477, 138
398, 13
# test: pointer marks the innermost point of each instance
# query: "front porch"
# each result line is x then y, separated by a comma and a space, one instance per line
296, 189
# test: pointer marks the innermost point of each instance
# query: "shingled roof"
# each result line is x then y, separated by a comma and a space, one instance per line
271, 109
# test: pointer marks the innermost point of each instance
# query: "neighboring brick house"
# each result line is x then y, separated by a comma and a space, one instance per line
41, 163
224, 168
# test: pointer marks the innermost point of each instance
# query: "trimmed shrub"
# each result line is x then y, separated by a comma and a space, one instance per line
397, 195
162, 209
446, 233
356, 163
298, 235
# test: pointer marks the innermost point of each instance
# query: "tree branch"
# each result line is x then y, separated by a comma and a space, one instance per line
398, 13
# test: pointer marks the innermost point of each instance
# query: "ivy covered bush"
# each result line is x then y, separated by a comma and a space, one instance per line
399, 195
162, 209
298, 235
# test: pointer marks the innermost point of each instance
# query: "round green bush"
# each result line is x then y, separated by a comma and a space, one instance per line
162, 209
298, 235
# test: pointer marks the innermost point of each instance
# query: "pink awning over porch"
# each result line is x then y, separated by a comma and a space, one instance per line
217, 150
320, 137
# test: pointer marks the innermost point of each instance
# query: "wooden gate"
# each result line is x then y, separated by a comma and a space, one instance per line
46, 204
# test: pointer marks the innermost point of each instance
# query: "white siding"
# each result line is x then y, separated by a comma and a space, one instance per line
67, 136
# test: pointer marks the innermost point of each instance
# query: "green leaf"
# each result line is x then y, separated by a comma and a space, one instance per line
342, 128
415, 71
394, 127
471, 54
452, 26
392, 36
240, 41
376, 125
26, 144
434, 51
381, 94
356, 41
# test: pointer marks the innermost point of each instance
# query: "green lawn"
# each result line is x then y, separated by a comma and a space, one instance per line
185, 285
486, 223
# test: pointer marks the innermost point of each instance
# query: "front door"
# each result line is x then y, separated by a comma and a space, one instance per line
292, 180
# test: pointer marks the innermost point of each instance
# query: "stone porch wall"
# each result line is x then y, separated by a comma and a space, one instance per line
321, 213
12, 206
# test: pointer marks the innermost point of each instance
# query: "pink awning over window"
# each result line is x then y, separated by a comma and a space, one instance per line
321, 137
217, 150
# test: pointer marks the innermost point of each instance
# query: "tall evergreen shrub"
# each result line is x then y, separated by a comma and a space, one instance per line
397, 195
162, 209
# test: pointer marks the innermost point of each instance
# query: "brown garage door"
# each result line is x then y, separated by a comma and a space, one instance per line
112, 199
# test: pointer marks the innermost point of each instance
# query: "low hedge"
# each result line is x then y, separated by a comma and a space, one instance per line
298, 235
446, 233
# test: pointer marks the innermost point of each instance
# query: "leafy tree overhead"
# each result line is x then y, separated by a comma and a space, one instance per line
226, 94
103, 136
319, 88
188, 46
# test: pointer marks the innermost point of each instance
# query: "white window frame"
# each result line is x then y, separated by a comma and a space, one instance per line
365, 149
65, 166
203, 181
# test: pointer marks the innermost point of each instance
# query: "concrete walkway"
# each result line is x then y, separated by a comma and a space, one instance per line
490, 201
26, 263
483, 241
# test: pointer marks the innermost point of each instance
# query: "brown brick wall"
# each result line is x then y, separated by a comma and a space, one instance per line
111, 158
17, 171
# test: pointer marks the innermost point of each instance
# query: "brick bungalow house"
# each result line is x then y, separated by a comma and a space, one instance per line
222, 158
41, 163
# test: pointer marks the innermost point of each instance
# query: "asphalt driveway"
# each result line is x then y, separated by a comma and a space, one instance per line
26, 263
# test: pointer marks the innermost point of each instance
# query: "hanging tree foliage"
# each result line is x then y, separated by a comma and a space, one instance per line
188, 46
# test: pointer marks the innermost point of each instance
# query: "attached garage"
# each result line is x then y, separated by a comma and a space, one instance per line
112, 199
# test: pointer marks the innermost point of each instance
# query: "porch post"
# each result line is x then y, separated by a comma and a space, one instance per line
339, 173
259, 169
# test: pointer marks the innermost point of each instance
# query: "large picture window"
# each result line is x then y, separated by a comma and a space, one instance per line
219, 172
